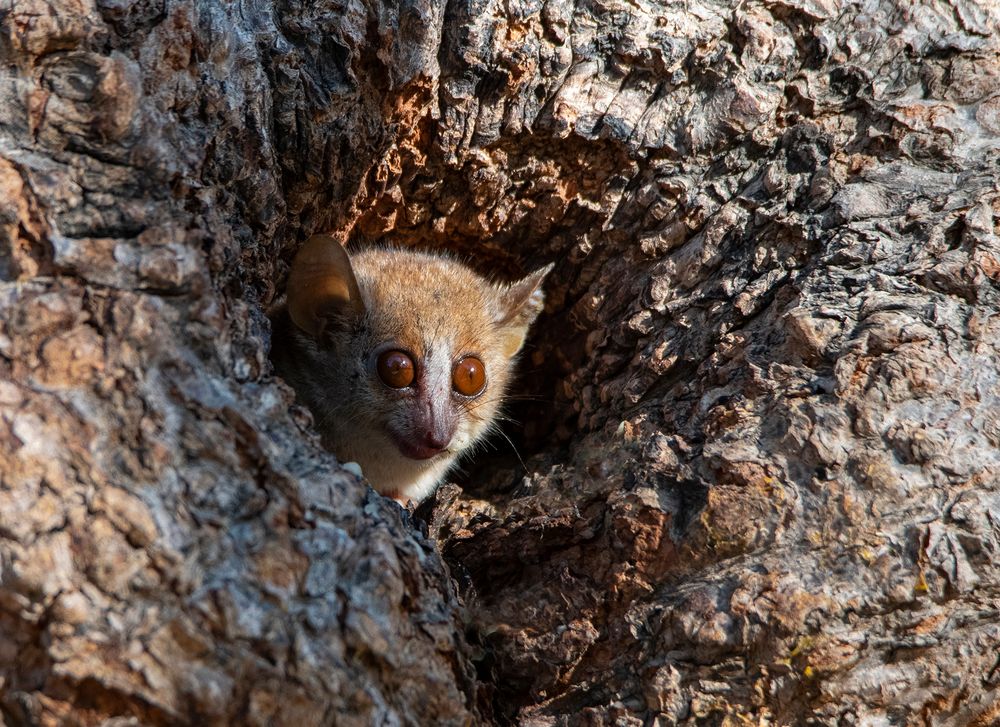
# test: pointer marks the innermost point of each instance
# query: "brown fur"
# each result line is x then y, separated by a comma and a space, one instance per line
434, 308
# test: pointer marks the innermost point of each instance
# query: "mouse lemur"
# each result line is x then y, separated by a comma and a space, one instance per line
402, 357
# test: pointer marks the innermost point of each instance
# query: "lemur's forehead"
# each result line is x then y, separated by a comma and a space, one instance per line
424, 301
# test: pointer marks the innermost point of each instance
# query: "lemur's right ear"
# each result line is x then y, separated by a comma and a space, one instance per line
322, 289
520, 303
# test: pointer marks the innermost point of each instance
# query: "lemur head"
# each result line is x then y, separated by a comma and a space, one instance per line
409, 354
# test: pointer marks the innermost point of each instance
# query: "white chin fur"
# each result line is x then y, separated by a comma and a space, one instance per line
425, 484
407, 478
391, 472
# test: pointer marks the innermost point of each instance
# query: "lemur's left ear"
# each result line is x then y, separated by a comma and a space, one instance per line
520, 303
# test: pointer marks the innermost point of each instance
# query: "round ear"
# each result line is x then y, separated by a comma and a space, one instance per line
520, 303
322, 287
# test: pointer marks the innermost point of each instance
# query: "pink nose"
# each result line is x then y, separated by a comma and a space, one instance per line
423, 443
437, 439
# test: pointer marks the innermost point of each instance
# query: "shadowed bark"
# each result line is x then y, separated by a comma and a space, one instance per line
760, 417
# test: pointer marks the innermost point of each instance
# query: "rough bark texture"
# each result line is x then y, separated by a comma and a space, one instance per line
762, 482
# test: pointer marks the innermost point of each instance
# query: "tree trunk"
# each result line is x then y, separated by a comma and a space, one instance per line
760, 416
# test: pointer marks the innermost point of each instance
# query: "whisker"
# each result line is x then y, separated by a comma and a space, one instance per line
516, 453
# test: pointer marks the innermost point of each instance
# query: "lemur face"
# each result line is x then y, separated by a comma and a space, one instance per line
407, 361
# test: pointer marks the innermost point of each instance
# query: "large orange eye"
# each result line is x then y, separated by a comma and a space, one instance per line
469, 376
396, 369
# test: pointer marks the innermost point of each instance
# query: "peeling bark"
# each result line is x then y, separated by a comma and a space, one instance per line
760, 429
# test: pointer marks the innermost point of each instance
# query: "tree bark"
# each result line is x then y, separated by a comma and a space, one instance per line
175, 545
760, 431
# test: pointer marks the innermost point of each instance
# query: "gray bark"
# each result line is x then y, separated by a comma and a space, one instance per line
761, 431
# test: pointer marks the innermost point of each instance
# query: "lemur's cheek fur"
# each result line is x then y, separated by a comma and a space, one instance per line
422, 317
